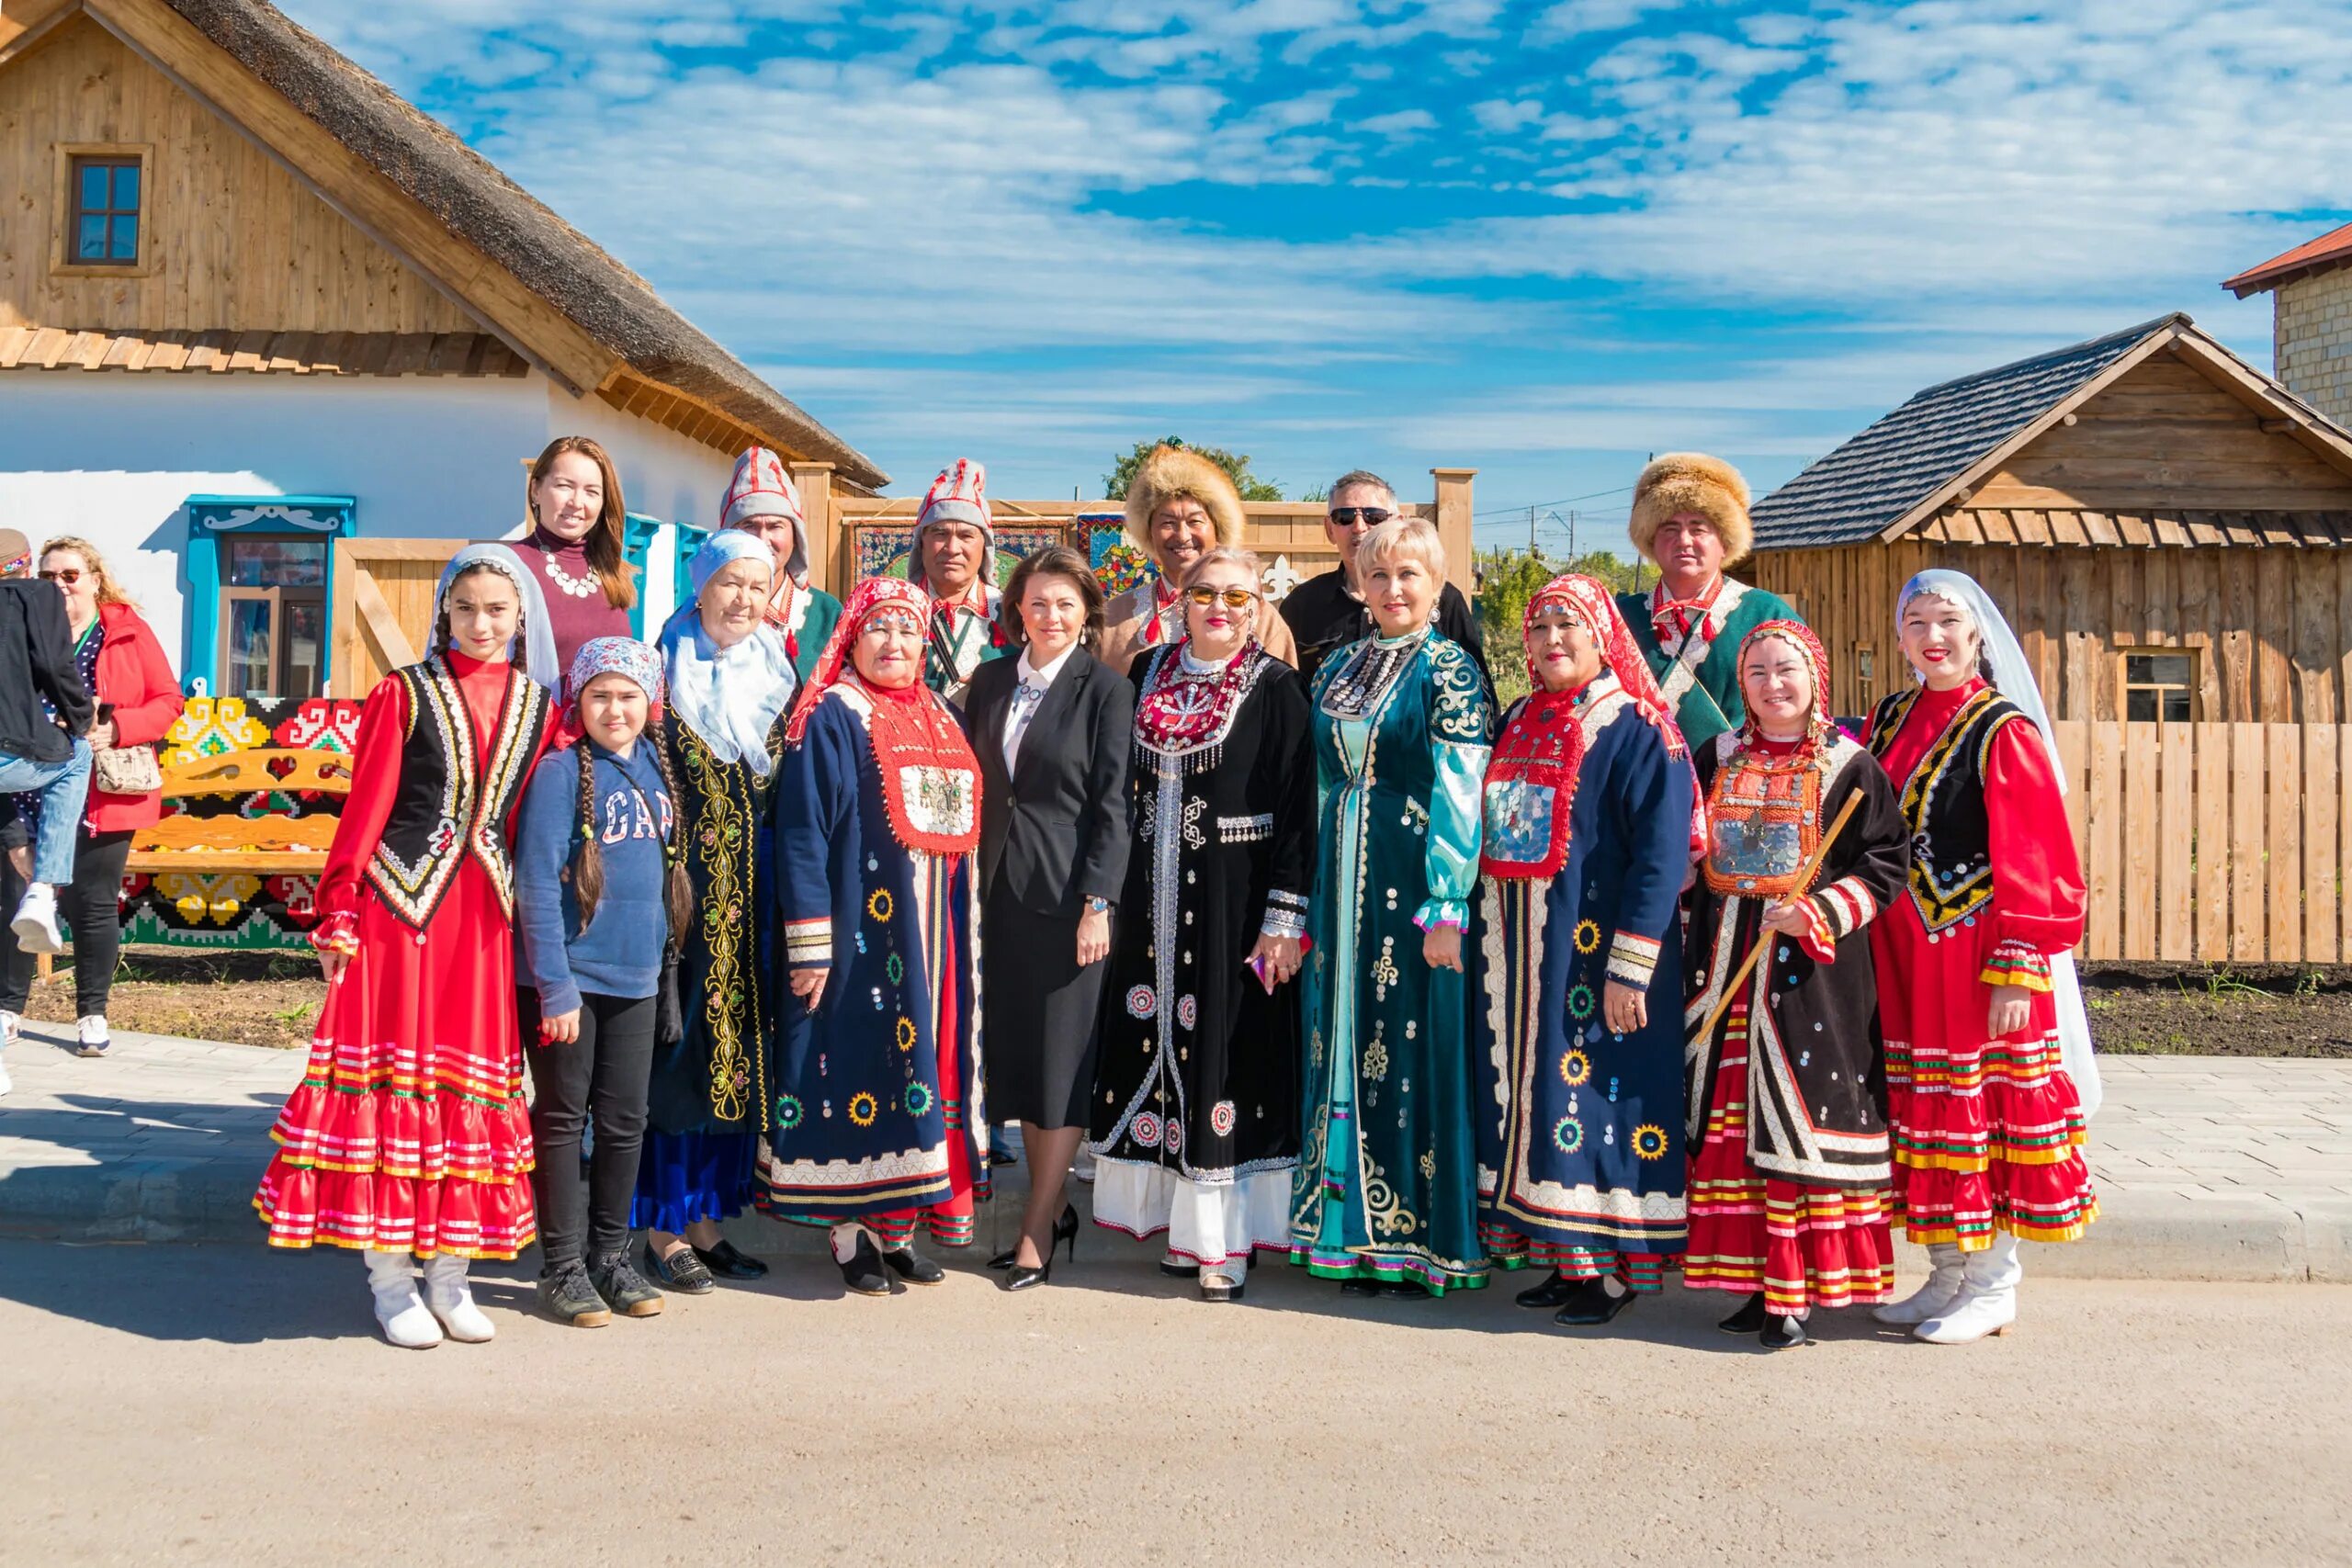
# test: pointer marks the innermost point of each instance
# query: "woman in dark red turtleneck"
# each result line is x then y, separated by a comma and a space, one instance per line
577, 525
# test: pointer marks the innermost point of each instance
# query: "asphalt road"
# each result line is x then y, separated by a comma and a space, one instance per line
210, 1405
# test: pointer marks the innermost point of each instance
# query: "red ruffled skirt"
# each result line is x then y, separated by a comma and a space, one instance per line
1803, 1247
408, 1132
1988, 1134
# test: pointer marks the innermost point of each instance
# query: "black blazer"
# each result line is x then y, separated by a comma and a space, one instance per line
1056, 828
36, 662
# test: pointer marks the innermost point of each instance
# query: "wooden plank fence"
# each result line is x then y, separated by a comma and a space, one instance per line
2213, 843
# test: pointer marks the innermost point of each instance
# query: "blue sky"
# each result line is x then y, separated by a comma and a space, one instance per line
1541, 239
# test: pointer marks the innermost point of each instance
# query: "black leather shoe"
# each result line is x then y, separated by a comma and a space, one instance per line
863, 1273
728, 1264
683, 1270
1024, 1279
1748, 1319
1782, 1333
1406, 1289
1362, 1285
913, 1267
1552, 1293
1004, 1260
1592, 1305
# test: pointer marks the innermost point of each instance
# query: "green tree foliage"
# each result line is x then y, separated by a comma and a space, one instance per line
1252, 488
1509, 578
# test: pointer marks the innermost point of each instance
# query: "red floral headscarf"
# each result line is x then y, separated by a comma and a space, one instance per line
1799, 636
1591, 604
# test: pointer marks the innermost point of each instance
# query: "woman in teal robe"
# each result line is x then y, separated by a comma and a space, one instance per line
1385, 1196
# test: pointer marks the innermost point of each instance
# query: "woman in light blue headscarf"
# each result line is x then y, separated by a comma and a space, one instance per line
730, 679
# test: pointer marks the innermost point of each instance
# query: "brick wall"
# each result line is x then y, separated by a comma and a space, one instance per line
2312, 341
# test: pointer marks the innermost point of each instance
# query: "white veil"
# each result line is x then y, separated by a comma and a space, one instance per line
535, 638
2006, 666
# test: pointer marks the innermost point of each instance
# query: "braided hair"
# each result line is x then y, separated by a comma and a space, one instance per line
588, 861
678, 893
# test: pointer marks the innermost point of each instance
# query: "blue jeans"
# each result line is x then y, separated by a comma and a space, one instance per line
63, 788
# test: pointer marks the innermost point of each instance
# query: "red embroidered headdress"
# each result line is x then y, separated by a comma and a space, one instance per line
1532, 778
931, 781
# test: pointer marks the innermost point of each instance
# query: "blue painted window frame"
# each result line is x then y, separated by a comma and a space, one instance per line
637, 548
209, 517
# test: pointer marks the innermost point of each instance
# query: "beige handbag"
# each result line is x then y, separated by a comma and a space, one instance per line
125, 770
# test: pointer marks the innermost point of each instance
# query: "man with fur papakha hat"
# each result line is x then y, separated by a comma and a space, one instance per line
1690, 519
1180, 507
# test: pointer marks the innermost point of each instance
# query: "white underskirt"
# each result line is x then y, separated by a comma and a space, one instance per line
1207, 1223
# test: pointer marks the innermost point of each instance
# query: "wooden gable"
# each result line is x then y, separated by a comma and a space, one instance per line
2166, 434
232, 241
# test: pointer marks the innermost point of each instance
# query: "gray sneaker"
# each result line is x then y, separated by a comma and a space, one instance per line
626, 1290
568, 1296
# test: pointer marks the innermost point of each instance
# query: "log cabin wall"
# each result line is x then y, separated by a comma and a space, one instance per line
231, 240
2163, 512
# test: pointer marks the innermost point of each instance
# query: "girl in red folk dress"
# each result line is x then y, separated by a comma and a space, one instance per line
1988, 1065
408, 1132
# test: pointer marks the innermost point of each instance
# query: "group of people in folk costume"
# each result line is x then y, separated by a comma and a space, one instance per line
1270, 912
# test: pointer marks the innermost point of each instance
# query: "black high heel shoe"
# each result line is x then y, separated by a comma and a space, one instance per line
1065, 1230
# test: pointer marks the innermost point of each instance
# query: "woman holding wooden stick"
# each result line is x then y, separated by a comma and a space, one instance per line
1590, 822
1989, 1074
1787, 1078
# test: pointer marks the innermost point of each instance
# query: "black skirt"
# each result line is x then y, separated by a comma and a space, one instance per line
1038, 1011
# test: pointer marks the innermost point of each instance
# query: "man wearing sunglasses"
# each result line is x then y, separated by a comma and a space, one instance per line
1326, 614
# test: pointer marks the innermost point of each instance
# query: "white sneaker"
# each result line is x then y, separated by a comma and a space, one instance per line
94, 1038
36, 921
4, 1085
452, 1301
1937, 1295
399, 1310
11, 1025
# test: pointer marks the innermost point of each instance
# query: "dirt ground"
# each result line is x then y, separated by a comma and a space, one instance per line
246, 998
266, 998
2271, 1010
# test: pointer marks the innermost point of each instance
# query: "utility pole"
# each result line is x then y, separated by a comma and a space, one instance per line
1572, 533
1531, 531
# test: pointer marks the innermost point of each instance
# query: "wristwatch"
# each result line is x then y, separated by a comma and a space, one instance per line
1098, 906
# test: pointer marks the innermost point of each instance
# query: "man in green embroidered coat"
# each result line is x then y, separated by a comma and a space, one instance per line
1689, 519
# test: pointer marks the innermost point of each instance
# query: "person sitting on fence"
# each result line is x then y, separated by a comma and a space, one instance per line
1690, 519
45, 712
1180, 507
1989, 1074
1326, 613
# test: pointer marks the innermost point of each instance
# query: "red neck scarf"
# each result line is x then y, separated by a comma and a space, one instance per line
1676, 619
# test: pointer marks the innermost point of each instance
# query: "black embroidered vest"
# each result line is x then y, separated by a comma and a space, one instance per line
1943, 803
452, 803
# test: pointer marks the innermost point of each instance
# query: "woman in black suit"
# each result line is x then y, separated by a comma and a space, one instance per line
1052, 729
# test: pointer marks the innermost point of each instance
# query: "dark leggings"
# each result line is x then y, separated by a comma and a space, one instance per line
90, 909
605, 1074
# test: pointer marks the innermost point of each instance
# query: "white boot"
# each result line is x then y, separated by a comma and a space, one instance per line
452, 1301
398, 1309
1988, 1298
1945, 1260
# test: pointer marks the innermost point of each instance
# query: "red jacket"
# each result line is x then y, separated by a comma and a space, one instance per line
137, 678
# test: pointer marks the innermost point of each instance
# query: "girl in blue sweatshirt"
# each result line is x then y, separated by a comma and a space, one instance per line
599, 890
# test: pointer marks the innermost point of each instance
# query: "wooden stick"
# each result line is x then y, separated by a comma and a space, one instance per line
1804, 880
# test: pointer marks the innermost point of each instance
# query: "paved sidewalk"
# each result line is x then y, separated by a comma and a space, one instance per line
2209, 1167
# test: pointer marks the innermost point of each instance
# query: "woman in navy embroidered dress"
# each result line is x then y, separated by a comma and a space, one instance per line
1591, 825
876, 1123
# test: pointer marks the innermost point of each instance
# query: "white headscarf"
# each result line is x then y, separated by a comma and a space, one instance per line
730, 697
534, 641
2005, 665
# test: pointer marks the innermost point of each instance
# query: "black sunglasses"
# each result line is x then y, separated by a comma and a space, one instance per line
1373, 516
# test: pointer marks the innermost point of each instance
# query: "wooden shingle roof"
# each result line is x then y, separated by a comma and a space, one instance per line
1879, 477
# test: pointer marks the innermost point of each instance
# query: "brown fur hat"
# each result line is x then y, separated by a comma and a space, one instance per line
1171, 471
1692, 482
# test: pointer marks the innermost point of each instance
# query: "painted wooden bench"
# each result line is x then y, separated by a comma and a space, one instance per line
271, 845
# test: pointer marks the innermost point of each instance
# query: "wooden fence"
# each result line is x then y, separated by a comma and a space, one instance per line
2213, 843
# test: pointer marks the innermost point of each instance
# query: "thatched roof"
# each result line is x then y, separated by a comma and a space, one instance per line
482, 206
